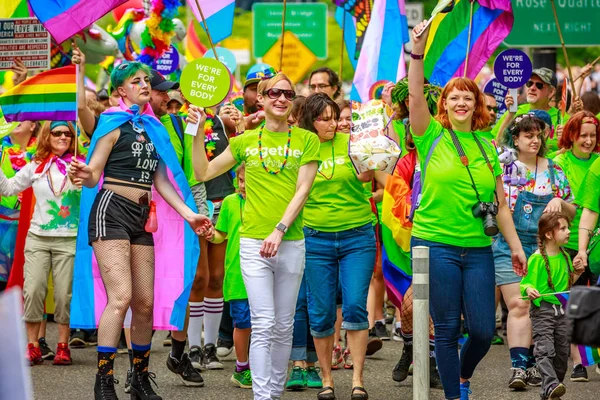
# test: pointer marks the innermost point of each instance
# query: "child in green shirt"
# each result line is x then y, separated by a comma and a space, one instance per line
234, 291
550, 274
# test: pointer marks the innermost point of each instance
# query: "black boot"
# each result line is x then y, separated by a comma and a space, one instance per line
435, 381
141, 380
400, 371
104, 389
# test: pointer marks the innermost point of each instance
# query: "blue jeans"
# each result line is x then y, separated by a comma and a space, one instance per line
347, 256
461, 280
303, 346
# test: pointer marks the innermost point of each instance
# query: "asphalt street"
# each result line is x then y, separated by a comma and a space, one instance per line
77, 381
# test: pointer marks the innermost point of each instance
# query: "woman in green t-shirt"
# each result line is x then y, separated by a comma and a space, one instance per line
456, 217
281, 164
340, 245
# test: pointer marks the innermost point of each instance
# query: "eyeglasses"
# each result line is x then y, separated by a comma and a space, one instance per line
275, 93
538, 85
312, 88
490, 109
58, 134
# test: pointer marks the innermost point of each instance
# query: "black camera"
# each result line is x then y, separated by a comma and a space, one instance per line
487, 212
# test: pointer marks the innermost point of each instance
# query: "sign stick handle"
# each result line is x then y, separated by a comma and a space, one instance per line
76, 111
212, 45
282, 35
469, 40
564, 48
342, 46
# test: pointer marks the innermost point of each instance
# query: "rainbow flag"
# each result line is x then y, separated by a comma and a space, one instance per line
446, 48
65, 18
589, 355
193, 46
50, 95
563, 298
14, 9
396, 229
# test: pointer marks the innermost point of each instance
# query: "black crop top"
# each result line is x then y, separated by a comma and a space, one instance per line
133, 157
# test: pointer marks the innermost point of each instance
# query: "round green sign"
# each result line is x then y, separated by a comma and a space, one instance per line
205, 82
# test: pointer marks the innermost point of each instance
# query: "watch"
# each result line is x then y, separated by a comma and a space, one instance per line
281, 227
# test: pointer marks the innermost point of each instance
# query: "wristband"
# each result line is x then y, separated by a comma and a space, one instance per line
417, 56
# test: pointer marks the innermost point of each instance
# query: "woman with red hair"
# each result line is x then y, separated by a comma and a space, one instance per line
456, 218
580, 140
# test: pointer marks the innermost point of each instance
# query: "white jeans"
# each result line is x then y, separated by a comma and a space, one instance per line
272, 285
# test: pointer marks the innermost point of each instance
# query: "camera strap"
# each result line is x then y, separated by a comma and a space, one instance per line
465, 161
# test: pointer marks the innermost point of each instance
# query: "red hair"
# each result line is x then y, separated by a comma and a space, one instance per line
572, 130
43, 142
481, 116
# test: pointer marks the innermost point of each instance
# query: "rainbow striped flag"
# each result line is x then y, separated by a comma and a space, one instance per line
563, 298
589, 355
50, 95
446, 49
193, 46
14, 9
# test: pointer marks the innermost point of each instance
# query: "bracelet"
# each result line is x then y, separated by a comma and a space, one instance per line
417, 56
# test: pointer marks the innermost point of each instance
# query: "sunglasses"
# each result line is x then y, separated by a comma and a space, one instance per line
275, 93
58, 134
538, 85
494, 109
312, 88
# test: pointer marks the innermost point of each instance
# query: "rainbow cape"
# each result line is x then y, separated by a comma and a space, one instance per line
50, 95
446, 48
176, 245
396, 229
589, 355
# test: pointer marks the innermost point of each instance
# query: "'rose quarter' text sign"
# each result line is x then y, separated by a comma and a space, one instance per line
26, 39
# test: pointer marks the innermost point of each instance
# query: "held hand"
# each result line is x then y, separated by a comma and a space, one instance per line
586, 71
577, 105
559, 131
197, 115
580, 261
79, 170
271, 244
533, 293
78, 56
386, 94
509, 101
555, 205
201, 225
77, 182
519, 262
20, 71
420, 41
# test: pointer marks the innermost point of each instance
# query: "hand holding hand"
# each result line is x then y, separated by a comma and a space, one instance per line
580, 260
201, 225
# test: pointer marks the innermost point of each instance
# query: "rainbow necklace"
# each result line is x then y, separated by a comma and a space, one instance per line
287, 151
209, 141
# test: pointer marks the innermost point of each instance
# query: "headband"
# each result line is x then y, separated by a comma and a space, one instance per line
589, 120
56, 124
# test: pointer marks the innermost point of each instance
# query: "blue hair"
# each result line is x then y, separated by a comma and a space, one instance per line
125, 71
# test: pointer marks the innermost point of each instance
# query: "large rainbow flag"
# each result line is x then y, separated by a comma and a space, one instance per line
396, 229
50, 96
446, 49
589, 355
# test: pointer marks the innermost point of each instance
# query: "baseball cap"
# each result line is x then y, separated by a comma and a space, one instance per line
258, 72
544, 116
175, 95
546, 75
158, 82
102, 94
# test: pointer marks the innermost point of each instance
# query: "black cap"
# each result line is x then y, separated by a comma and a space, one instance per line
158, 82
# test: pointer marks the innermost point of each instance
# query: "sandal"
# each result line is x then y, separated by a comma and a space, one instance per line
330, 395
359, 393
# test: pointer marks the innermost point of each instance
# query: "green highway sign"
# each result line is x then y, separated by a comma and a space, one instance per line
535, 25
308, 21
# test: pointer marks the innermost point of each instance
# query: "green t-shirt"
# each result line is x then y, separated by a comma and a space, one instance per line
445, 213
487, 134
339, 203
229, 222
400, 129
551, 143
537, 276
183, 149
589, 195
268, 194
574, 169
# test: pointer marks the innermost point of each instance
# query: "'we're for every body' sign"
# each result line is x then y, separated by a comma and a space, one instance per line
205, 82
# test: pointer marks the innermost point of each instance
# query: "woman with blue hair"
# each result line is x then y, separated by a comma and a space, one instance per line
132, 149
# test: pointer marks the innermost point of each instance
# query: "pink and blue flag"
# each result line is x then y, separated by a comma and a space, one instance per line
349, 33
218, 14
382, 53
65, 18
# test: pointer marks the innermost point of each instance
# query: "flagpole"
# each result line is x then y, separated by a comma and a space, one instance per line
564, 48
282, 35
342, 46
212, 45
469, 39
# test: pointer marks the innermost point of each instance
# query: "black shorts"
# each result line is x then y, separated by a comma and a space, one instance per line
115, 217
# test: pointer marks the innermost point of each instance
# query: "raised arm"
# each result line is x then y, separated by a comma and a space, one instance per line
306, 177
203, 169
86, 116
90, 174
21, 181
419, 113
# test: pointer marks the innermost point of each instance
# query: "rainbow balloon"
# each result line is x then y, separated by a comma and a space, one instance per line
376, 90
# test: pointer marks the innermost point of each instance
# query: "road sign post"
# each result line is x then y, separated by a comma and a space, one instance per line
308, 21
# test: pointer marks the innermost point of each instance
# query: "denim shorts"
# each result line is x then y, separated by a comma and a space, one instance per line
240, 313
505, 274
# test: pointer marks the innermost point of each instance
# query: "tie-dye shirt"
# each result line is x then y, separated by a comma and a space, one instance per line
540, 185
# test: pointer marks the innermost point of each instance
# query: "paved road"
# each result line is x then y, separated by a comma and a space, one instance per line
77, 381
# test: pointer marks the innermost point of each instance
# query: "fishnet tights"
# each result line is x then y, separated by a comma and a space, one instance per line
406, 314
128, 275
128, 192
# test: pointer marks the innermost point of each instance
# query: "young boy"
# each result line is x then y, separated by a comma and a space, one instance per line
234, 291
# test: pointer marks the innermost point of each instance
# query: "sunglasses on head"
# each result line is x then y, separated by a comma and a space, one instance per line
60, 133
538, 85
275, 93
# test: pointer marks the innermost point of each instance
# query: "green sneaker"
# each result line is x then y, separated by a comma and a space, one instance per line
296, 380
312, 378
242, 379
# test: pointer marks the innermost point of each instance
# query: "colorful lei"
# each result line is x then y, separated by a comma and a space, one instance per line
209, 142
17, 157
156, 38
